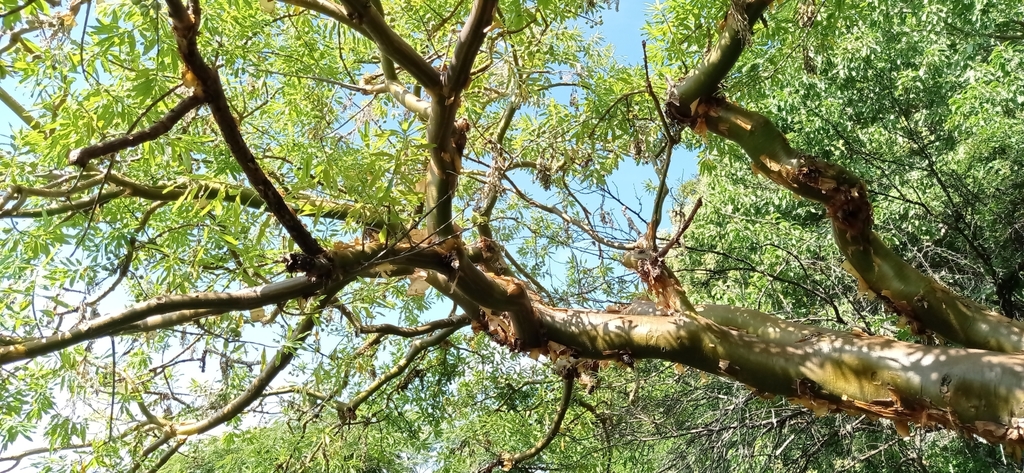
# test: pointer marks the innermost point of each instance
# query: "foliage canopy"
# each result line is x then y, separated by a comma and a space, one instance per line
316, 235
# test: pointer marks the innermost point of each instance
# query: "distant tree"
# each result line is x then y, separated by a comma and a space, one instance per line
248, 219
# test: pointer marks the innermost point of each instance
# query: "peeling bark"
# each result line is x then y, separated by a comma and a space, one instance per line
971, 391
879, 271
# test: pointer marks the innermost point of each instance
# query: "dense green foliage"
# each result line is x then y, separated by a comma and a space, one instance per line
924, 100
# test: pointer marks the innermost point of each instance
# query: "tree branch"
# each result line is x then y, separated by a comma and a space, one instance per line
572, 221
507, 462
337, 12
18, 457
36, 24
274, 367
705, 79
877, 268
364, 15
471, 38
393, 85
172, 192
389, 329
19, 110
186, 28
81, 157
18, 8
818, 368
923, 301
417, 347
72, 206
448, 135
138, 317
167, 455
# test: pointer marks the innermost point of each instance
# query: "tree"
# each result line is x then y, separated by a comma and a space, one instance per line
272, 188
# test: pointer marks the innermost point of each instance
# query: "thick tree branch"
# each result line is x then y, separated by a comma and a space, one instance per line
330, 9
447, 134
443, 285
412, 103
922, 300
471, 38
84, 203
186, 28
444, 167
59, 193
706, 78
351, 260
878, 269
467, 283
364, 15
81, 157
821, 369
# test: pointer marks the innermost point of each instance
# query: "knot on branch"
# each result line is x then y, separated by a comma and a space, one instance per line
686, 110
462, 127
346, 414
489, 256
184, 20
315, 267
845, 196
649, 269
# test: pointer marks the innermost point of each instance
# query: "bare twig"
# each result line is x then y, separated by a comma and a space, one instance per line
662, 193
571, 221
17, 8
682, 229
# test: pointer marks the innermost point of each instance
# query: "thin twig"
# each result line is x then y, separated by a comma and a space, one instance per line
682, 229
